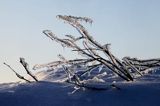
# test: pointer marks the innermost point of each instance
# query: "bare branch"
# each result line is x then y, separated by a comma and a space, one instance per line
26, 66
18, 75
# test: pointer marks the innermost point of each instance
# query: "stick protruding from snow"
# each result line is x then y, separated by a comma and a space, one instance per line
26, 66
18, 75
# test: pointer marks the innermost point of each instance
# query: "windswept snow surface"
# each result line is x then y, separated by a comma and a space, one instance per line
53, 91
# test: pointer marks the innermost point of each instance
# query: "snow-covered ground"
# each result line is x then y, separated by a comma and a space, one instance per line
53, 91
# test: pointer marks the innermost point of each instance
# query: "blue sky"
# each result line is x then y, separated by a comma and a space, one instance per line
131, 26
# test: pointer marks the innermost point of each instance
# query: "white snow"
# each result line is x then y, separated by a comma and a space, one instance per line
52, 90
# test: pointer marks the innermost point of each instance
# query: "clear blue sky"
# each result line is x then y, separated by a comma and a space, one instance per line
131, 26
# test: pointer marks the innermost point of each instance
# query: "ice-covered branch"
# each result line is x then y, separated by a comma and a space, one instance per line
26, 66
92, 51
18, 75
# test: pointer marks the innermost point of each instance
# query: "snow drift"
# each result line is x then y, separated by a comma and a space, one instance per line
53, 91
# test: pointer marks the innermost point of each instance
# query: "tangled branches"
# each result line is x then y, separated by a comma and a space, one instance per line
92, 49
95, 55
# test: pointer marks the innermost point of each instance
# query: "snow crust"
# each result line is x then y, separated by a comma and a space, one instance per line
52, 90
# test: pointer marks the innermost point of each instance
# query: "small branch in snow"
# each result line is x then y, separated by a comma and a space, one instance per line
18, 75
25, 65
